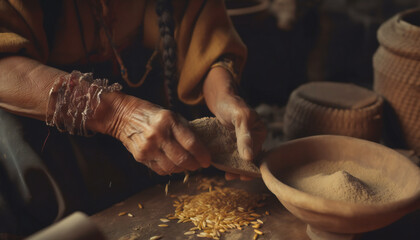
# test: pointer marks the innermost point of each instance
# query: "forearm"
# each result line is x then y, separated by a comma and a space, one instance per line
217, 85
25, 85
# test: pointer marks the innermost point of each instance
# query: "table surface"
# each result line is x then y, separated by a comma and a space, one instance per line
279, 224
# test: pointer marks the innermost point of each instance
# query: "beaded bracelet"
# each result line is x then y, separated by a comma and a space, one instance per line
73, 100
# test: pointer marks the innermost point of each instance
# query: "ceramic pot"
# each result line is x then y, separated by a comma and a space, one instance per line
329, 219
397, 75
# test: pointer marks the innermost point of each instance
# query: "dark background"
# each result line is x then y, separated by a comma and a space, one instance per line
330, 40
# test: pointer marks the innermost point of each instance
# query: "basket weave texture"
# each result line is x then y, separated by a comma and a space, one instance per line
305, 117
397, 73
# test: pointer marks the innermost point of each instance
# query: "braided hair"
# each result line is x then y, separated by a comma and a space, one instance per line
164, 11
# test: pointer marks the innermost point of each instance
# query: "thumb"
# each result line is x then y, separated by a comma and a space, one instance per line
244, 141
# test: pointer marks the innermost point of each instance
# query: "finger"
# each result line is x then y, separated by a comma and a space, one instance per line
179, 156
187, 139
245, 178
259, 134
244, 140
152, 164
231, 176
166, 164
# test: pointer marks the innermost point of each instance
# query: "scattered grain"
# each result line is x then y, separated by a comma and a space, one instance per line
164, 220
130, 215
167, 188
255, 236
187, 175
139, 205
155, 237
163, 225
189, 233
122, 214
256, 226
258, 232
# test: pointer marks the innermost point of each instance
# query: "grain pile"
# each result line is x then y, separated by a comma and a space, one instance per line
343, 181
219, 210
221, 142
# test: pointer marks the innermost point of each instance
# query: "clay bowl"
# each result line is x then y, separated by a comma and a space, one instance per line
332, 219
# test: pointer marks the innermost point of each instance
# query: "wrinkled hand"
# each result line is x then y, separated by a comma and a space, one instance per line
234, 113
158, 138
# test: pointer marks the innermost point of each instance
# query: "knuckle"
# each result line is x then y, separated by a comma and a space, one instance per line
165, 116
140, 156
151, 134
189, 142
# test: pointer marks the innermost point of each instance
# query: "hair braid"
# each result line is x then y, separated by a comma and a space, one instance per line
166, 28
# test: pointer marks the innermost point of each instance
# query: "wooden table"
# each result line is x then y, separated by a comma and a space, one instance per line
279, 225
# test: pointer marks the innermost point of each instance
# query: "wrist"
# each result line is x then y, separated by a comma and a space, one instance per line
217, 86
117, 111
108, 114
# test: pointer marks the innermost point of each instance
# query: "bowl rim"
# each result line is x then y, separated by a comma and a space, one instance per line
321, 205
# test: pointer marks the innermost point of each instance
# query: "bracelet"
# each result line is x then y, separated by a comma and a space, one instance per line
227, 64
73, 99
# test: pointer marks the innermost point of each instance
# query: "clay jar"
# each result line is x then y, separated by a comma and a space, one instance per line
397, 75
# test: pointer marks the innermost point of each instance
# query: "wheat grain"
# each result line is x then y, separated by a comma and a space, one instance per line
217, 211
155, 238
122, 213
187, 175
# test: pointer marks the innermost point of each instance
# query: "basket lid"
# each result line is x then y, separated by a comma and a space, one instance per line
337, 95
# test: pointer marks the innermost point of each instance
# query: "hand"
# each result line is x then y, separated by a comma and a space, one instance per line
157, 137
234, 113
250, 130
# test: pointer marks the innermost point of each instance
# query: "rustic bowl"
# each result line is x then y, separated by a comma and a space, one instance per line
330, 219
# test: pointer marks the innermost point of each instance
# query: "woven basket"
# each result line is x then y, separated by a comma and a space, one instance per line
333, 108
397, 73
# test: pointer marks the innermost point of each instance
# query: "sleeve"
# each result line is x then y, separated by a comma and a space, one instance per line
203, 33
21, 29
